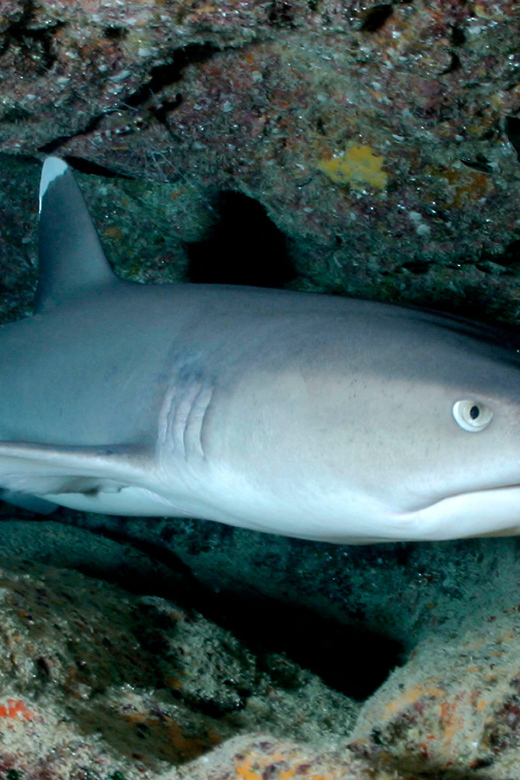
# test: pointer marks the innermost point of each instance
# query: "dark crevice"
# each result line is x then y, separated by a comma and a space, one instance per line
146, 96
265, 625
164, 75
51, 146
455, 64
34, 43
281, 13
79, 163
493, 133
326, 647
458, 36
510, 257
55, 144
115, 33
479, 163
16, 114
161, 111
86, 166
376, 17
244, 247
512, 128
417, 266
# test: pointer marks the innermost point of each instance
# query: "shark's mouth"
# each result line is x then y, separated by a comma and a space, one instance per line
485, 491
484, 512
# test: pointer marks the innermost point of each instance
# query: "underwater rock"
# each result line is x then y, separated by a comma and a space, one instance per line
95, 679
96, 682
272, 100
134, 683
263, 756
455, 705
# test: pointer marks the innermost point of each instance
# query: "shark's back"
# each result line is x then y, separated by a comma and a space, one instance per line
308, 415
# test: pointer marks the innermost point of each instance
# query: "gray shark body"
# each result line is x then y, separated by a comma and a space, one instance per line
299, 414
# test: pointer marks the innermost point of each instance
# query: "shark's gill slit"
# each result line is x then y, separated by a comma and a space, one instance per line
197, 415
182, 419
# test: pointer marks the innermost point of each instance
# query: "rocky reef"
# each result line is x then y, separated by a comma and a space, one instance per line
331, 145
381, 139
112, 679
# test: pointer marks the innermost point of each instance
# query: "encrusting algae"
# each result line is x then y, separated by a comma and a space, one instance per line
358, 167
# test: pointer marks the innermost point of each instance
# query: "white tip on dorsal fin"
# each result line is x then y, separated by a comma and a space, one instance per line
71, 258
52, 168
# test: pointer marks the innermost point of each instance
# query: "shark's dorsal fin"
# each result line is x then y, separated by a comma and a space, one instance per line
71, 258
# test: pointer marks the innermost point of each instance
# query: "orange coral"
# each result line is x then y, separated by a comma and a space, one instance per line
13, 708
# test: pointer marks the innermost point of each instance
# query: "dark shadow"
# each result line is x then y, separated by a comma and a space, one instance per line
244, 247
375, 17
347, 656
512, 128
87, 166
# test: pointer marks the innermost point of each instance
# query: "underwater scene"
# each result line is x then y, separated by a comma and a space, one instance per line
259, 390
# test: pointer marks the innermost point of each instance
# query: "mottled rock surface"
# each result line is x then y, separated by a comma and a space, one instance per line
455, 705
381, 138
95, 679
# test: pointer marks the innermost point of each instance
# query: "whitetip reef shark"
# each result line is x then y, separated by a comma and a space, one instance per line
300, 414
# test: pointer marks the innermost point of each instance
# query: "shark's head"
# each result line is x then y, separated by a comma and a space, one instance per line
437, 445
450, 464
410, 431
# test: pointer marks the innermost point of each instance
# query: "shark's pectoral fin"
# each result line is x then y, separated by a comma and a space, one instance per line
32, 503
43, 469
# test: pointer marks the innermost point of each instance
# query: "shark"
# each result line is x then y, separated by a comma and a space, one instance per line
307, 415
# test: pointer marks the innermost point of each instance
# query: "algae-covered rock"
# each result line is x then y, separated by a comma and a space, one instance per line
382, 139
96, 679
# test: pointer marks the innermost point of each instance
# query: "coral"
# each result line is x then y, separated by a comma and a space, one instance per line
14, 708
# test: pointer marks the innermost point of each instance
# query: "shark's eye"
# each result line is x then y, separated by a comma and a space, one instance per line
471, 415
